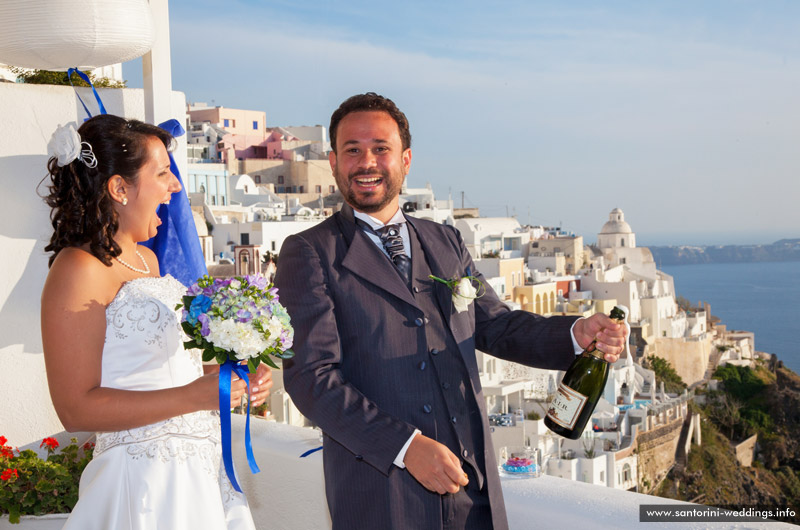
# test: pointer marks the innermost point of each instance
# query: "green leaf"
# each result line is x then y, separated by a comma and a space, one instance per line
221, 357
13, 514
252, 364
270, 362
208, 355
288, 354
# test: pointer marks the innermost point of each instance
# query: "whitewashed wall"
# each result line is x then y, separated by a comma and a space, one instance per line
29, 114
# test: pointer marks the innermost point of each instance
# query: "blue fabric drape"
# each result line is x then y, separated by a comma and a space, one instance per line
177, 245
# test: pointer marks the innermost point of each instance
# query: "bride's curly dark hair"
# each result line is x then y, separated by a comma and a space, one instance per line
82, 210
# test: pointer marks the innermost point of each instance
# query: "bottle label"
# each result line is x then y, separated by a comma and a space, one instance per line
566, 406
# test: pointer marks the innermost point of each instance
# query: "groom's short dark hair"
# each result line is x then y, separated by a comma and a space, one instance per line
367, 102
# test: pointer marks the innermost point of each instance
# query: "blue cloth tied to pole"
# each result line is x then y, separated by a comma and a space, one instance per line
225, 420
176, 244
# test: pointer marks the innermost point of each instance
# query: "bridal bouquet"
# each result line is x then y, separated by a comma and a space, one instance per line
237, 319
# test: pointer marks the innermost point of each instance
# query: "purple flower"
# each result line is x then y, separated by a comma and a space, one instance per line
204, 320
243, 315
194, 290
257, 280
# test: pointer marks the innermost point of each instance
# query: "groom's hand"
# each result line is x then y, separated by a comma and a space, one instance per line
434, 465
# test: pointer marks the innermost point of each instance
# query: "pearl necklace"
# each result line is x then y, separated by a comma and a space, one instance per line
146, 269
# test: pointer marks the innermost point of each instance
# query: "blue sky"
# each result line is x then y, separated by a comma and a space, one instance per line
684, 114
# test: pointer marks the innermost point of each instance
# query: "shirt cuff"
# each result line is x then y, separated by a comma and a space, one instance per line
402, 454
578, 349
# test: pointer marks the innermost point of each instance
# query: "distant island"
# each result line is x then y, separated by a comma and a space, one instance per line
783, 250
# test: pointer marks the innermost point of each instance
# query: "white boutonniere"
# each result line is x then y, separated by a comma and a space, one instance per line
463, 289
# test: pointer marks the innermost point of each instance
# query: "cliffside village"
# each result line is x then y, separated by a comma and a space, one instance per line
251, 186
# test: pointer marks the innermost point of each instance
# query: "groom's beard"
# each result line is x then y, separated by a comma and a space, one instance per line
369, 201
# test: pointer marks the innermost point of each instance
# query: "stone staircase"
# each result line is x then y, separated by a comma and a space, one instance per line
680, 452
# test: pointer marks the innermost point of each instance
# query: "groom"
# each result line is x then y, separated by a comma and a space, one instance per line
384, 363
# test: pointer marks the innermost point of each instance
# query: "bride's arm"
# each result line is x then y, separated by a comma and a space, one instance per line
74, 300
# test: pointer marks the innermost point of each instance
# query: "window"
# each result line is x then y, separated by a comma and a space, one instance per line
332, 189
233, 123
245, 238
222, 200
257, 179
626, 472
318, 189
300, 189
245, 188
273, 246
255, 125
280, 179
213, 200
227, 123
279, 189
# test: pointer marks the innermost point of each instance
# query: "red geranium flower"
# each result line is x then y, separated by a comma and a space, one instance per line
8, 473
51, 443
88, 446
6, 452
3, 440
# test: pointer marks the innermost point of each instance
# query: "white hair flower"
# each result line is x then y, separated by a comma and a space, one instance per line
66, 146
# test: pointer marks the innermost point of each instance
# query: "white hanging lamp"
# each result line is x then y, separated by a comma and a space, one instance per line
60, 34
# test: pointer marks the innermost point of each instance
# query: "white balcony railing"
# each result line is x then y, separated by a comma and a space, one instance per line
289, 493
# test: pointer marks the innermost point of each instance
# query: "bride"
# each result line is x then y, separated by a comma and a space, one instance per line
113, 345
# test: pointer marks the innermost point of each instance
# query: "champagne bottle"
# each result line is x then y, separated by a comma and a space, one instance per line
579, 390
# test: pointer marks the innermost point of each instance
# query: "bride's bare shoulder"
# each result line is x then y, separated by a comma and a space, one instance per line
77, 277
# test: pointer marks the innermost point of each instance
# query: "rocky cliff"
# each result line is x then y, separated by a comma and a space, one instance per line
783, 250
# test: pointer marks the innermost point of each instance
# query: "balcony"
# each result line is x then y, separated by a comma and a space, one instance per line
289, 492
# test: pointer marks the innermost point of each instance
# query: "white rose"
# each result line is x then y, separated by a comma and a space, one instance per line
464, 294
65, 144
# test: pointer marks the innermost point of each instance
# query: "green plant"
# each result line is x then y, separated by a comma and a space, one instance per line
47, 77
534, 416
33, 486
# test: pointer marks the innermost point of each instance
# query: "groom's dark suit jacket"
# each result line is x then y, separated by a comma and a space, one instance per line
375, 359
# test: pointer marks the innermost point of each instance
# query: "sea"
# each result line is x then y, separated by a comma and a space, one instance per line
760, 297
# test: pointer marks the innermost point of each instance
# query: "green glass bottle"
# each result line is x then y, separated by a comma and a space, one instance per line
579, 390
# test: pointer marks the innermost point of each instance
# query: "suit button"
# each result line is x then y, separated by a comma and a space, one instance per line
426, 320
434, 351
427, 408
422, 365
419, 322
359, 458
416, 289
445, 385
465, 453
453, 419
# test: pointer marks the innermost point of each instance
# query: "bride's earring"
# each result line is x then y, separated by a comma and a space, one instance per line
124, 201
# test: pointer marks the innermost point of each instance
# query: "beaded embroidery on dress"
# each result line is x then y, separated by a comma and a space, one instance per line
168, 474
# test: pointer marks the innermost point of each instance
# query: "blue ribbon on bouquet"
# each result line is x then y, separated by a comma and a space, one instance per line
225, 420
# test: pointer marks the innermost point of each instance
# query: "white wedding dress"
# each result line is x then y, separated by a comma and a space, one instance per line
167, 475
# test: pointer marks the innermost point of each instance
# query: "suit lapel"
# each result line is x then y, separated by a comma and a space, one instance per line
442, 262
365, 259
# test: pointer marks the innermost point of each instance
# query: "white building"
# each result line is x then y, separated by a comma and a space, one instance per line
501, 237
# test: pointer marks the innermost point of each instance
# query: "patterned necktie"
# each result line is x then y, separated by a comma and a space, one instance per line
393, 243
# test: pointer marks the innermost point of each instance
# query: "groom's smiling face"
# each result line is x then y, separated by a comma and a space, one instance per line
369, 162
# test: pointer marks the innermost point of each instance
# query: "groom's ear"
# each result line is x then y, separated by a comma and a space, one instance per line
332, 160
407, 161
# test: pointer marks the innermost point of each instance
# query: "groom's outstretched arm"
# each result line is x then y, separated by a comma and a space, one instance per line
313, 378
